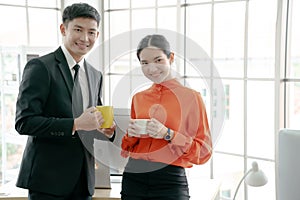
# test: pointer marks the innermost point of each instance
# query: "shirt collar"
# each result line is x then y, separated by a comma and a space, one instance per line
70, 60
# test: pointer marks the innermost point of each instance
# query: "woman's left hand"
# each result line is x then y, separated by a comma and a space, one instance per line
156, 129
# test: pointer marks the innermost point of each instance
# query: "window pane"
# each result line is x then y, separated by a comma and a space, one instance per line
14, 154
202, 86
116, 4
13, 143
196, 1
229, 38
229, 67
260, 119
46, 4
120, 66
106, 26
233, 129
47, 23
199, 171
294, 71
198, 66
94, 3
198, 26
267, 191
123, 87
114, 24
142, 3
120, 90
13, 2
166, 18
16, 34
139, 16
1, 141
10, 64
261, 42
197, 61
293, 105
228, 169
166, 2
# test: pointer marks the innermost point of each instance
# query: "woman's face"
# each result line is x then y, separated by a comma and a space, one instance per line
156, 66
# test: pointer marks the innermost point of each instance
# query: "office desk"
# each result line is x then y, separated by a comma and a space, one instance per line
13, 193
199, 189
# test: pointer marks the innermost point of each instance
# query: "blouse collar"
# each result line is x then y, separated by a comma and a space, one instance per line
169, 84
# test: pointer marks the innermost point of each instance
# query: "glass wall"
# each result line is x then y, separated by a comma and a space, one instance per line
11, 146
292, 72
238, 37
23, 35
236, 41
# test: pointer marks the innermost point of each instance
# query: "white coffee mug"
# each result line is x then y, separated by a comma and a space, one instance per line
142, 124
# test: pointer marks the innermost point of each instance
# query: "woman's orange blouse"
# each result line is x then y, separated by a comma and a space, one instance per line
182, 110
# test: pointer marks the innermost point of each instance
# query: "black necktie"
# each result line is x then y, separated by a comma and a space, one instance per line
76, 69
77, 104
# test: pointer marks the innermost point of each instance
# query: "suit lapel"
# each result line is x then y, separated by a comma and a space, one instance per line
94, 81
90, 84
94, 78
64, 69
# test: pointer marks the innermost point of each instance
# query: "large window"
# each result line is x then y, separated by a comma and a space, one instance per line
255, 57
292, 69
239, 38
23, 36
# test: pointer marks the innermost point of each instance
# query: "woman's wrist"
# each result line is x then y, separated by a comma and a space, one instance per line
169, 135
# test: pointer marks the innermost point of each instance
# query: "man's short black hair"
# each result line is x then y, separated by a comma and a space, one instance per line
80, 10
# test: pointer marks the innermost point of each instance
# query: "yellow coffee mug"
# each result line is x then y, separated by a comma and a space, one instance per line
107, 114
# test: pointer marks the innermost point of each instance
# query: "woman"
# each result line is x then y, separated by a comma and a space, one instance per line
177, 131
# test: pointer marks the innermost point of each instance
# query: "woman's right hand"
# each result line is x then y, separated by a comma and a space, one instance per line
133, 129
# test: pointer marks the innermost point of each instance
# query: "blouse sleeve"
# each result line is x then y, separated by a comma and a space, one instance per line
193, 141
129, 142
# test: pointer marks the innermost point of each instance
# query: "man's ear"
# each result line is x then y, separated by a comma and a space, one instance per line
62, 29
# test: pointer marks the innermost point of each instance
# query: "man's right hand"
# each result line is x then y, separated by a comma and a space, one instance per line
90, 119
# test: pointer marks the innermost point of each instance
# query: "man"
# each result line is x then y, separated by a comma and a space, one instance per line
58, 160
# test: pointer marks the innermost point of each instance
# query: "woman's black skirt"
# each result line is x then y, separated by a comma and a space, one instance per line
146, 180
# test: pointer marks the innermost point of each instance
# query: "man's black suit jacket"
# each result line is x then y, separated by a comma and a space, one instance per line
52, 158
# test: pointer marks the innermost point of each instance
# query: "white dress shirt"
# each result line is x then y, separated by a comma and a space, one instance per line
82, 76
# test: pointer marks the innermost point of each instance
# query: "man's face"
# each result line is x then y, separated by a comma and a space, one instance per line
79, 36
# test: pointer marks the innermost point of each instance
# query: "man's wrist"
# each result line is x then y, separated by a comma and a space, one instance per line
75, 124
109, 136
74, 127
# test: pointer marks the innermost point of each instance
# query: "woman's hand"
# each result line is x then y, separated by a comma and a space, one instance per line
133, 129
156, 129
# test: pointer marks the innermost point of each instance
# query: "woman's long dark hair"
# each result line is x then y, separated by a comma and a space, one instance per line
155, 40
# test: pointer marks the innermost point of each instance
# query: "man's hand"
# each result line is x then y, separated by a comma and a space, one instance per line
108, 132
90, 119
